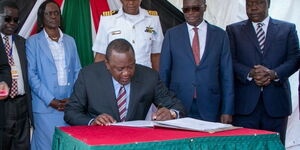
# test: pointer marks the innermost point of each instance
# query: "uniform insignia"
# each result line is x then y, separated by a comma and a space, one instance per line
116, 32
152, 13
150, 30
109, 13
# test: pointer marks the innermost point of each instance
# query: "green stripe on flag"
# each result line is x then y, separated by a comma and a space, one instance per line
77, 23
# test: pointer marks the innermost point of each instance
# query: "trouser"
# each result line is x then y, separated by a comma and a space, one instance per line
260, 119
16, 132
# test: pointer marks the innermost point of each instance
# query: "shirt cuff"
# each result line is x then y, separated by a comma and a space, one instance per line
90, 122
177, 113
249, 78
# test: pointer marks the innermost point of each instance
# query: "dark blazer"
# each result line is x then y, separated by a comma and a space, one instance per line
4, 66
4, 76
280, 55
213, 78
94, 95
20, 44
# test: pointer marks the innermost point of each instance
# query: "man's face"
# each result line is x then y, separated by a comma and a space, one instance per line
51, 16
257, 10
131, 6
121, 66
10, 20
193, 11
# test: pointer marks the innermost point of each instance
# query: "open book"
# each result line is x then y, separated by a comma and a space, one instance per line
182, 123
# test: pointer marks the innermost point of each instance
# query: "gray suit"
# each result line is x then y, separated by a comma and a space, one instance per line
94, 95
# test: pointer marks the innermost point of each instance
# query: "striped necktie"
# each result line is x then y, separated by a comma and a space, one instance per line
261, 37
196, 46
8, 49
121, 101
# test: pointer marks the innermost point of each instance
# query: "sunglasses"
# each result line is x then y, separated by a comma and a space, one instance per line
8, 19
192, 9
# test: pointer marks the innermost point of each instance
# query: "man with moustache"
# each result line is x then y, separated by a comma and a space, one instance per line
264, 52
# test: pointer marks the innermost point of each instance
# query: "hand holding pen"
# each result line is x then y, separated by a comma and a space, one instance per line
162, 114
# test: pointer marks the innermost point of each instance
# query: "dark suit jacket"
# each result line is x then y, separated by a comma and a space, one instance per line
4, 76
94, 95
20, 44
213, 78
280, 55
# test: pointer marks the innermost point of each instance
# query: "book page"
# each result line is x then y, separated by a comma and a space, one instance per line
136, 123
194, 125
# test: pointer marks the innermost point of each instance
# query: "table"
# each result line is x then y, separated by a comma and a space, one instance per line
131, 138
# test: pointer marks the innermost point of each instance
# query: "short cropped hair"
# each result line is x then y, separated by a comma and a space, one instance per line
7, 3
120, 46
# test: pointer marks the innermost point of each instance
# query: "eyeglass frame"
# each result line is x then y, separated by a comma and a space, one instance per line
193, 9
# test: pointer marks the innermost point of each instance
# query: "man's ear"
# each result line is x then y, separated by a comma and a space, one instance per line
107, 64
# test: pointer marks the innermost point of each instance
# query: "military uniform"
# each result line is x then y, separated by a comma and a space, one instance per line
144, 33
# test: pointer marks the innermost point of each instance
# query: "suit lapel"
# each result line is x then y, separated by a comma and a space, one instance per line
135, 87
250, 32
67, 50
209, 43
22, 56
186, 46
44, 45
109, 94
272, 28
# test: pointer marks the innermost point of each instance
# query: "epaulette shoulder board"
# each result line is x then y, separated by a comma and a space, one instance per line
152, 12
109, 13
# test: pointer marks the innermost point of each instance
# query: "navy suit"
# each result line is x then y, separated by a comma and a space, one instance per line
212, 78
280, 55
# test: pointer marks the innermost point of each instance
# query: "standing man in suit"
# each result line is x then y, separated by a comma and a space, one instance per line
5, 80
196, 65
17, 107
264, 55
119, 90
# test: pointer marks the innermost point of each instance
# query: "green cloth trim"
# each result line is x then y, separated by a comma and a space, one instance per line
63, 141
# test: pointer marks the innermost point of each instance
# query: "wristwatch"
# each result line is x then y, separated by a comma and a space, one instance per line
173, 114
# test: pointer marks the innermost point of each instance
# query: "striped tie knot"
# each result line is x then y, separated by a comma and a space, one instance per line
259, 25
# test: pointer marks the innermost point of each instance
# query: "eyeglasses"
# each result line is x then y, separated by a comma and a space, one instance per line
193, 9
50, 13
8, 19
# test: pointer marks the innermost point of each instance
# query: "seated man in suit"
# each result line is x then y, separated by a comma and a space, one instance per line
118, 89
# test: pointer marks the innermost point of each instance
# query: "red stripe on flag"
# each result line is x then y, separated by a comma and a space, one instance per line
97, 7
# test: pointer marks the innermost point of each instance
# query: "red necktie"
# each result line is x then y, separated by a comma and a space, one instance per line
121, 101
196, 47
14, 86
196, 52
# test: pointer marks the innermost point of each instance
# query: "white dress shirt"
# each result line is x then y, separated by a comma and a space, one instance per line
202, 32
58, 53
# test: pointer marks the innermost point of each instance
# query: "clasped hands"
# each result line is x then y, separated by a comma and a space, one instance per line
59, 104
262, 75
105, 120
